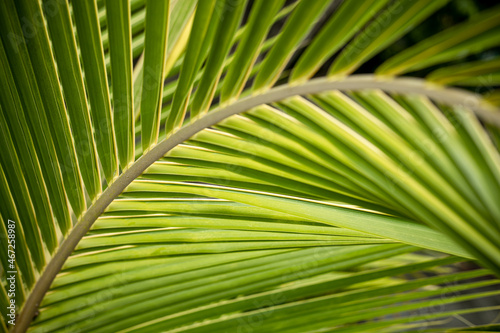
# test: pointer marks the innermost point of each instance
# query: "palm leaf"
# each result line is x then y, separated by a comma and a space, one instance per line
263, 196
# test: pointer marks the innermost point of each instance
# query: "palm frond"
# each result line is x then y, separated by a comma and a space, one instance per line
201, 166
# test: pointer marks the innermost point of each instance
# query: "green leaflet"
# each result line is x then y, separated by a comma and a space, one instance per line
474, 73
43, 66
175, 270
133, 271
246, 275
421, 170
357, 312
179, 30
23, 146
157, 15
21, 271
191, 64
258, 25
292, 311
235, 223
434, 211
79, 114
397, 19
92, 55
387, 227
27, 267
228, 18
447, 45
25, 176
4, 302
136, 23
345, 23
451, 140
300, 22
118, 15
307, 142
25, 80
406, 125
37, 204
61, 30
201, 236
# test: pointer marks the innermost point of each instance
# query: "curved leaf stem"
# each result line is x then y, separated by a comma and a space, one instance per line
450, 96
